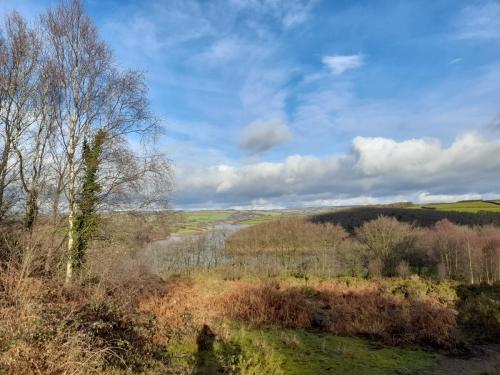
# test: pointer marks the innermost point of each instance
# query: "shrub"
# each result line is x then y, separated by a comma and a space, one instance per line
394, 319
479, 311
366, 310
49, 328
269, 305
375, 267
403, 269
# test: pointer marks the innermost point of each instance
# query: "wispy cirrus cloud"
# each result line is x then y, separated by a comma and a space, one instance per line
479, 20
289, 13
454, 61
339, 64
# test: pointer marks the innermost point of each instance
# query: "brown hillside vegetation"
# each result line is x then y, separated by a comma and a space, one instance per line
366, 310
290, 235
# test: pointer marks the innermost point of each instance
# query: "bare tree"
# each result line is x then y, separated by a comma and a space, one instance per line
95, 95
20, 51
81, 61
32, 158
385, 238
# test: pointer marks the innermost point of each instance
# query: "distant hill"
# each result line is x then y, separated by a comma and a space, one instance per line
353, 218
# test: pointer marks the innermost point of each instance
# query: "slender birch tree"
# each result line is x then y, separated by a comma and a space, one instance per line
95, 96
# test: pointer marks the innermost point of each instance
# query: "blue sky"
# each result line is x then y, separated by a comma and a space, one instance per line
279, 103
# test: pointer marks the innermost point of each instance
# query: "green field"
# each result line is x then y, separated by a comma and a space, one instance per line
189, 222
464, 206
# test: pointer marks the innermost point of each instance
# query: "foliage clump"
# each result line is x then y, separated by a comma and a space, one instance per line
394, 318
479, 311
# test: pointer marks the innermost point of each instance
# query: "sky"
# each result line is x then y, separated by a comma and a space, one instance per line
298, 103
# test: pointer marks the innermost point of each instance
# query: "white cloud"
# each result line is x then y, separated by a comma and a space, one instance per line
376, 169
421, 158
261, 136
332, 112
153, 27
454, 61
223, 50
425, 197
289, 13
263, 92
479, 20
338, 64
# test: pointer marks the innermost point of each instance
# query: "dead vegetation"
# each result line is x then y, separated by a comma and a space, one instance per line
90, 326
48, 328
366, 310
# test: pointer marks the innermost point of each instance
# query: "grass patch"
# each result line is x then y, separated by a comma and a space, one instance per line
206, 217
192, 222
271, 350
306, 353
465, 206
256, 221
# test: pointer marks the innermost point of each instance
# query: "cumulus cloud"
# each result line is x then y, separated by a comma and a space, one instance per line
338, 64
374, 170
262, 136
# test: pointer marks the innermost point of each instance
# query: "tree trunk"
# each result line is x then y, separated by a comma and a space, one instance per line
3, 176
470, 263
31, 209
71, 204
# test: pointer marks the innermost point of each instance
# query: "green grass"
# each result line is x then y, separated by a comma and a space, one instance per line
191, 222
305, 353
467, 206
206, 216
256, 221
296, 352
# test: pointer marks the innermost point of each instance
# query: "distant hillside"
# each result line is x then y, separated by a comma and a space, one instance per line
353, 218
465, 206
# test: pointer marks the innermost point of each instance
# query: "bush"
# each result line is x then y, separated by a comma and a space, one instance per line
479, 311
46, 327
366, 310
393, 319
269, 305
403, 269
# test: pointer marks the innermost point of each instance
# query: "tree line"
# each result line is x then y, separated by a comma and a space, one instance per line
77, 130
383, 246
354, 218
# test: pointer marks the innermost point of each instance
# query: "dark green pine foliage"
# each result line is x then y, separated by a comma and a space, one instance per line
86, 221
